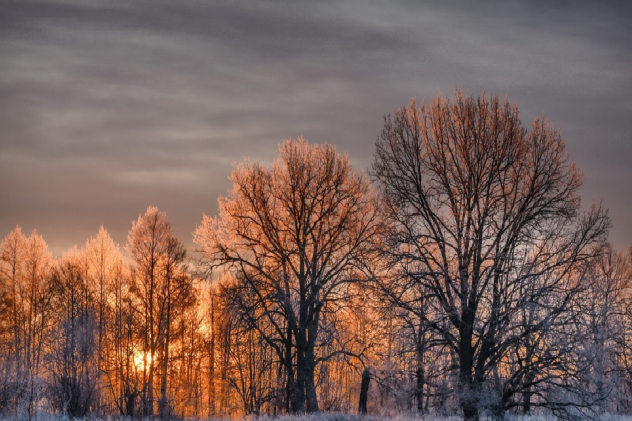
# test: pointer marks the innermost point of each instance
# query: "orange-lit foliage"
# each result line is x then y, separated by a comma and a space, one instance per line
472, 280
294, 236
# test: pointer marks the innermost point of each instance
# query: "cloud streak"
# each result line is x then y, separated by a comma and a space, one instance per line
107, 107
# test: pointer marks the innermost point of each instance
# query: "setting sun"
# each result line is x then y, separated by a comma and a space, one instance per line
142, 359
315, 211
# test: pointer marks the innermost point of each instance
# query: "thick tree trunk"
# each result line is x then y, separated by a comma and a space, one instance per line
291, 404
526, 397
306, 399
298, 406
364, 391
470, 409
311, 397
419, 389
469, 390
130, 404
311, 404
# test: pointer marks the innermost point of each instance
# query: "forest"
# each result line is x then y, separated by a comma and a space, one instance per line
459, 275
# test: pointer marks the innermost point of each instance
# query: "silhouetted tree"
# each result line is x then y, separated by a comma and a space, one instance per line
485, 217
295, 234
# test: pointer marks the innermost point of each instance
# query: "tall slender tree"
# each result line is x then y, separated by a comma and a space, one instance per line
161, 283
12, 333
35, 290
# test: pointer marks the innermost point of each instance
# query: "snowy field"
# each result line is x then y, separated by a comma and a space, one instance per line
350, 417
341, 417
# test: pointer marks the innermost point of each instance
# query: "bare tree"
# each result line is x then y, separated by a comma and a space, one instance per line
481, 207
103, 259
12, 333
36, 300
415, 339
72, 353
121, 359
104, 270
295, 234
606, 319
162, 284
251, 358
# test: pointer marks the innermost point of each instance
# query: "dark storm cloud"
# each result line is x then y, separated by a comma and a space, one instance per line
107, 107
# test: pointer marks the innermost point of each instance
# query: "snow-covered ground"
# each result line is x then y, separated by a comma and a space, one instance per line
350, 417
334, 416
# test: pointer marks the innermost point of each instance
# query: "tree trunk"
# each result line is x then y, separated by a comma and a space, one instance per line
163, 409
298, 406
470, 410
419, 389
149, 403
526, 397
309, 342
310, 385
420, 374
469, 390
364, 391
211, 363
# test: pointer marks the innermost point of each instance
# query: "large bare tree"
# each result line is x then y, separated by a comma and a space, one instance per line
294, 235
485, 217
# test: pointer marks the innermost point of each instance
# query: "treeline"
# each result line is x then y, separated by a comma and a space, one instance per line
460, 272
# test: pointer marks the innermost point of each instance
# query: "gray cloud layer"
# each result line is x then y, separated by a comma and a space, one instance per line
107, 107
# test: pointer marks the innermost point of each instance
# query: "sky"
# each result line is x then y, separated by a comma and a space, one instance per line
107, 107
